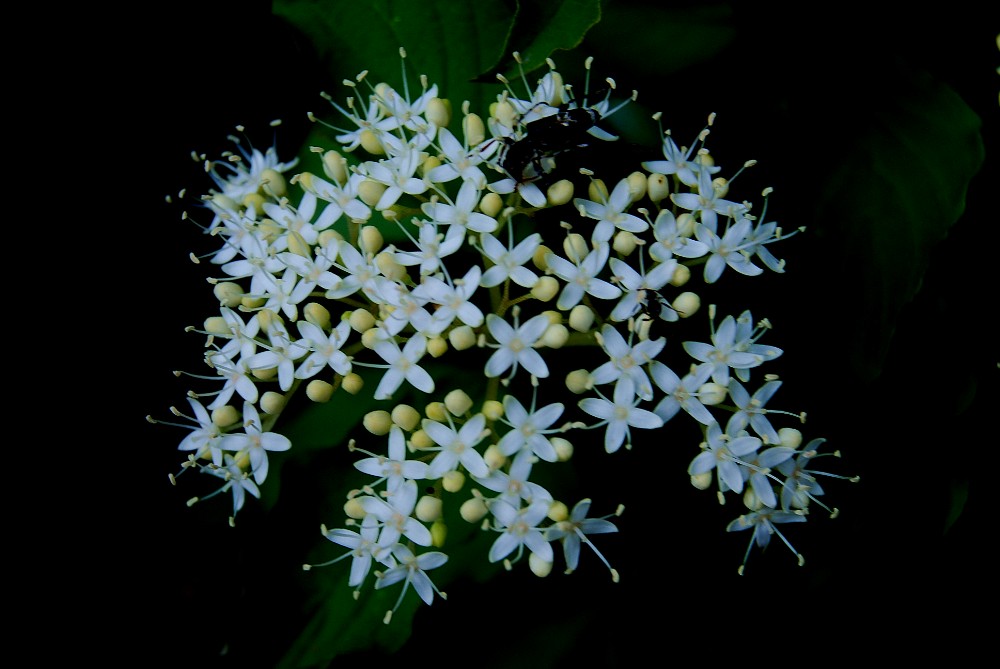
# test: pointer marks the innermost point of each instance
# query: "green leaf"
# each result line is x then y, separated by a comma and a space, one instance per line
890, 200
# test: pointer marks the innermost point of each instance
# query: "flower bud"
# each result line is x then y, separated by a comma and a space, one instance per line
491, 204
439, 112
371, 239
555, 336
453, 481
371, 143
701, 481
474, 129
575, 247
546, 288
437, 411
405, 417
378, 422
657, 187
597, 191
228, 293
437, 346
686, 304
421, 440
462, 338
558, 511
581, 318
494, 457
389, 266
682, 274
272, 402
352, 383
625, 242
439, 532
354, 509
579, 381
473, 510
225, 416
361, 320
559, 193
539, 567
428, 508
685, 224
789, 436
458, 402
636, 186
492, 409
272, 182
335, 167
370, 192
216, 325
712, 394
320, 391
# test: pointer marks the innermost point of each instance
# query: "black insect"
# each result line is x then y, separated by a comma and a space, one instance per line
546, 138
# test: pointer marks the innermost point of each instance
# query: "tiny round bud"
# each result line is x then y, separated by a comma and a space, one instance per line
701, 481
555, 336
272, 182
428, 508
453, 481
225, 416
505, 113
636, 186
371, 337
491, 204
352, 383
474, 129
720, 186
327, 237
581, 318
579, 381
539, 567
437, 411
371, 240
545, 289
420, 440
389, 266
371, 143
437, 346
252, 303
439, 112
685, 224
682, 274
254, 201
625, 242
686, 304
272, 402
335, 167
538, 259
751, 499
405, 417
790, 437
494, 457
265, 373
492, 409
370, 191
559, 193
657, 187
458, 402
558, 511
225, 202
317, 314
228, 293
378, 422
439, 532
712, 393
597, 191
473, 510
430, 162
564, 449
320, 391
354, 509
361, 320
575, 247
462, 338
216, 325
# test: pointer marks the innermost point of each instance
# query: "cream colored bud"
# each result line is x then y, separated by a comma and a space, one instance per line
428, 509
320, 391
224, 202
405, 417
436, 411
361, 320
575, 247
439, 112
389, 266
491, 204
685, 224
701, 481
421, 440
473, 510
712, 394
579, 381
538, 258
254, 201
751, 500
430, 162
564, 449
790, 437
272, 182
546, 288
458, 402
378, 422
216, 325
581, 318
539, 566
686, 304
624, 242
272, 402
317, 314
371, 143
492, 409
494, 457
555, 336
252, 303
352, 383
371, 337
265, 373
505, 114
298, 245
636, 186
682, 274
354, 509
558, 511
307, 180
559, 193
335, 167
225, 416
370, 191
720, 186
597, 191
474, 129
554, 315
327, 236
657, 187
371, 240
439, 533
461, 338
270, 229
437, 346
228, 293
453, 481
557, 96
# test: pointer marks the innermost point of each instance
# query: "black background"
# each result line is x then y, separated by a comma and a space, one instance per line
170, 586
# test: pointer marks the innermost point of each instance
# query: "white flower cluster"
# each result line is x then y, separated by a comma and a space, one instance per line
311, 293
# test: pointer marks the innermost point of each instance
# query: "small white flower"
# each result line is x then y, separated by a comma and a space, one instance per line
394, 469
403, 366
255, 442
514, 345
620, 414
457, 447
611, 214
520, 530
509, 264
581, 278
395, 512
